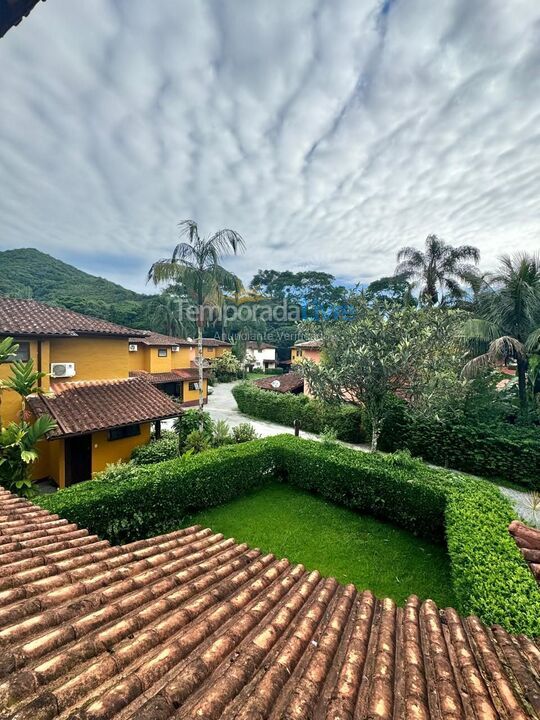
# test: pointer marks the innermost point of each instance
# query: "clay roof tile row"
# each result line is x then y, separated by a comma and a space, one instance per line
528, 541
289, 382
193, 625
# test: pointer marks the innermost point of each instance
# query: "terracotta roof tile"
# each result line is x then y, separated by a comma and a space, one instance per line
158, 340
192, 625
29, 317
82, 407
254, 345
289, 382
309, 344
528, 541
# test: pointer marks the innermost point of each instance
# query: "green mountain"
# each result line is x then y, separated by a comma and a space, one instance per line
29, 273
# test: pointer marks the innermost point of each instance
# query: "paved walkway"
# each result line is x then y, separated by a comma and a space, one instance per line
222, 406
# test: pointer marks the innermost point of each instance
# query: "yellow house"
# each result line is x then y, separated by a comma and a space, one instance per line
101, 412
168, 363
308, 350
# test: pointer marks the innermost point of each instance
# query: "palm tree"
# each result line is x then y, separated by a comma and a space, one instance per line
508, 318
195, 265
439, 270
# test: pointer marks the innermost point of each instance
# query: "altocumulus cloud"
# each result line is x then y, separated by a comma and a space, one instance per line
329, 133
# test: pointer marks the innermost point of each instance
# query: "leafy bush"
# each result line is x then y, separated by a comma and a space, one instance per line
489, 575
273, 371
118, 472
165, 448
285, 408
222, 434
244, 433
198, 441
328, 437
505, 451
227, 367
190, 421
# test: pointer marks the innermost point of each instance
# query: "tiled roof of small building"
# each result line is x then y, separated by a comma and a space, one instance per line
159, 340
309, 344
13, 11
254, 345
29, 317
192, 625
82, 407
176, 375
528, 541
281, 383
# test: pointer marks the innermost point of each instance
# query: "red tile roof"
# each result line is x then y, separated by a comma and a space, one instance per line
177, 375
192, 625
83, 407
254, 345
157, 339
289, 382
29, 317
191, 373
13, 11
528, 540
309, 344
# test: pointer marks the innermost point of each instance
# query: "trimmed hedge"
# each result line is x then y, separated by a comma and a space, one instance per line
506, 452
166, 448
314, 416
164, 493
489, 574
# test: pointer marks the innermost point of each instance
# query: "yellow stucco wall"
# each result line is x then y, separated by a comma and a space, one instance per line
191, 395
161, 364
105, 452
94, 358
182, 359
139, 360
299, 354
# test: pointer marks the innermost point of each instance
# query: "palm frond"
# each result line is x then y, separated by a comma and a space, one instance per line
227, 241
532, 343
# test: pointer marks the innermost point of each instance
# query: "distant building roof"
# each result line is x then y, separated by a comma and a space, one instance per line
157, 339
176, 375
528, 541
83, 407
309, 344
31, 318
254, 345
13, 11
193, 625
289, 382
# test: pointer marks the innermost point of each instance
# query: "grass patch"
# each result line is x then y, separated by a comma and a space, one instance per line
336, 541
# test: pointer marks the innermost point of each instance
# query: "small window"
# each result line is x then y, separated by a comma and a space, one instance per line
124, 432
162, 352
193, 385
22, 354
299, 353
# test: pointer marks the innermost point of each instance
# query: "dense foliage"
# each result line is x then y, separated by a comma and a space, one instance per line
313, 415
227, 367
166, 448
490, 576
466, 443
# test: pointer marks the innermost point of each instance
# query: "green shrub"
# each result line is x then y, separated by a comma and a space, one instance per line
190, 421
285, 408
221, 434
273, 371
166, 448
198, 441
244, 432
504, 451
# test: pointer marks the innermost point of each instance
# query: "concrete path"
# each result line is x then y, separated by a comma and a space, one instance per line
222, 406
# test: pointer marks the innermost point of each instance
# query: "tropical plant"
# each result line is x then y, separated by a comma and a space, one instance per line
508, 321
244, 433
197, 441
18, 443
439, 270
195, 265
227, 367
221, 434
24, 380
189, 421
7, 350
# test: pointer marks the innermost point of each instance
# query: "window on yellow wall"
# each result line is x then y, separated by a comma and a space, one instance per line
124, 432
22, 354
193, 385
162, 352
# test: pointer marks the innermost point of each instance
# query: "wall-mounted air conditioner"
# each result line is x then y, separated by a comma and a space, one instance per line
133, 347
62, 370
175, 348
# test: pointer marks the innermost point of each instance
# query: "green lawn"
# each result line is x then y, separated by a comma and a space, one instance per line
336, 541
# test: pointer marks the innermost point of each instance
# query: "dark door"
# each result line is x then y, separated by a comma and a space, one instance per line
78, 459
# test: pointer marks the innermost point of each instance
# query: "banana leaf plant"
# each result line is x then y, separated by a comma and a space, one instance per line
18, 450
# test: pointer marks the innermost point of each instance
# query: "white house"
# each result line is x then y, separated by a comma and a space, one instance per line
261, 356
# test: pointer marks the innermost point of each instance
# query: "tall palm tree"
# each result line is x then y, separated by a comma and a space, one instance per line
508, 319
439, 270
195, 265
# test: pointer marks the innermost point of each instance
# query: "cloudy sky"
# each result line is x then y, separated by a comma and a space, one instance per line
329, 133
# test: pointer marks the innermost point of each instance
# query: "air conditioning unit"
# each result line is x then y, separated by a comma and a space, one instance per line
175, 348
62, 370
133, 347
